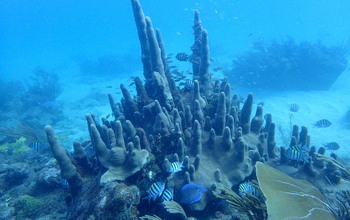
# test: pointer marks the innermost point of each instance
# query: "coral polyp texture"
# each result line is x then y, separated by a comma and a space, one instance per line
168, 137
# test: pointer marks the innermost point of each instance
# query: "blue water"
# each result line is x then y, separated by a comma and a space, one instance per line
57, 35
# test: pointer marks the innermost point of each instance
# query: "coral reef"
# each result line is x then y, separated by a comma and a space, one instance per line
287, 65
204, 130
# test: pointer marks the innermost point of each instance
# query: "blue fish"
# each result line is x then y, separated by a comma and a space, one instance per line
175, 167
191, 193
35, 145
245, 188
155, 191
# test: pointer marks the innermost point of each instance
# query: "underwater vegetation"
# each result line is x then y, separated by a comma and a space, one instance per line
178, 148
42, 88
287, 65
32, 101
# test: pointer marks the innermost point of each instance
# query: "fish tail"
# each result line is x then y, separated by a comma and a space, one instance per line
201, 187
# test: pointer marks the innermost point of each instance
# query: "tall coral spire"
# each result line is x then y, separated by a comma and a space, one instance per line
142, 33
197, 45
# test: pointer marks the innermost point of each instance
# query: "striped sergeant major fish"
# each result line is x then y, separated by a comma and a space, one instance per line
332, 146
168, 194
155, 191
189, 84
294, 107
323, 123
245, 188
175, 167
35, 145
182, 57
297, 153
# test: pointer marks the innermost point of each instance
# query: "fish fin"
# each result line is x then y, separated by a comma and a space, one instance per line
307, 159
201, 187
188, 186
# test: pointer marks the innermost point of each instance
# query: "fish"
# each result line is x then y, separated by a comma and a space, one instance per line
323, 123
191, 193
21, 140
48, 104
35, 145
155, 191
332, 146
131, 84
296, 153
245, 188
175, 167
189, 84
261, 103
184, 57
294, 107
108, 87
168, 194
64, 183
218, 68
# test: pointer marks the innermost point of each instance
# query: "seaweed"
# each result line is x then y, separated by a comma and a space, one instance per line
249, 205
30, 133
341, 205
43, 87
